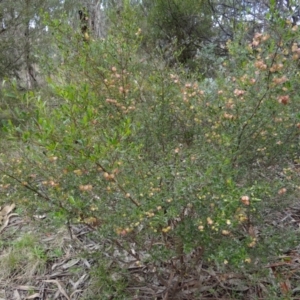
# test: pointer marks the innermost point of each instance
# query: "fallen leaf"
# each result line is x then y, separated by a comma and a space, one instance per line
70, 263
7, 209
26, 287
34, 296
285, 287
6, 221
16, 295
81, 280
62, 291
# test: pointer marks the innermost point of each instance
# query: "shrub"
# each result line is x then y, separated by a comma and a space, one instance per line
167, 171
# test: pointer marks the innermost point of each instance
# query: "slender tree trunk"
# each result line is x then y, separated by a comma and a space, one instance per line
30, 72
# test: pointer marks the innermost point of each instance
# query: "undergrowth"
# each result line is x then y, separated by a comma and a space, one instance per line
172, 172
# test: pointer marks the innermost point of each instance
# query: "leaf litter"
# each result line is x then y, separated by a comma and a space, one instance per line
67, 275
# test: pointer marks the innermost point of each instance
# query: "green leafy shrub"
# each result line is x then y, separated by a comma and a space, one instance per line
167, 171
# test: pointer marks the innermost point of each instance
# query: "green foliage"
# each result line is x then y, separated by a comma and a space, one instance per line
161, 166
178, 30
25, 255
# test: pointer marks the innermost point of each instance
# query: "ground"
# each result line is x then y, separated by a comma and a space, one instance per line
39, 261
